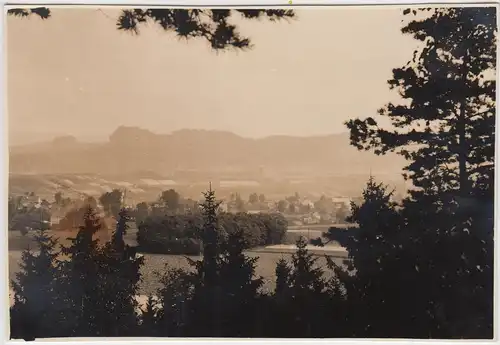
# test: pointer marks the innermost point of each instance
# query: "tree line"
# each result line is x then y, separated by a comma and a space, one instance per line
182, 233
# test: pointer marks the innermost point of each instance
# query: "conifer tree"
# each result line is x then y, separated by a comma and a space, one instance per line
175, 300
38, 311
224, 286
283, 272
301, 296
211, 239
205, 313
446, 130
375, 276
101, 282
240, 288
81, 283
120, 275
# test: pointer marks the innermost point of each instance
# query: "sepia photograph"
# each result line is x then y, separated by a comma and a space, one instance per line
243, 172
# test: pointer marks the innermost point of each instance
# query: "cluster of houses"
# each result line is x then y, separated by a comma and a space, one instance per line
297, 210
28, 211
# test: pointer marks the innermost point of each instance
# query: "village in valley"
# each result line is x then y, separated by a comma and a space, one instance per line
29, 211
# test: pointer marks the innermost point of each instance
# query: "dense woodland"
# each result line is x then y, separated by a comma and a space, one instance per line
421, 268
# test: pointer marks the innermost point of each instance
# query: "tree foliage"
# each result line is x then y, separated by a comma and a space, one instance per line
112, 202
100, 283
211, 25
37, 309
302, 304
446, 126
170, 199
181, 233
42, 12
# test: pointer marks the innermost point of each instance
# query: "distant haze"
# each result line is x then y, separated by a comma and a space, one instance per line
76, 74
147, 162
130, 150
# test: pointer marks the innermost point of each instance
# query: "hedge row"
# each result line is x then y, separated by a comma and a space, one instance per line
180, 234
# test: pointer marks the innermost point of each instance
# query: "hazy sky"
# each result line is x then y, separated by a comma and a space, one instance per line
76, 74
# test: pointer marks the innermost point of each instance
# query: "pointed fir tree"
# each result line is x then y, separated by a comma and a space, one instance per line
302, 294
305, 275
224, 286
370, 278
240, 289
120, 277
211, 239
279, 317
101, 282
38, 310
283, 273
205, 313
82, 278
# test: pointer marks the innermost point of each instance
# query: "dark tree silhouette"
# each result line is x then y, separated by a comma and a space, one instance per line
37, 308
211, 25
82, 278
119, 273
172, 316
240, 287
283, 273
446, 129
208, 297
371, 280
101, 282
300, 297
42, 12
428, 274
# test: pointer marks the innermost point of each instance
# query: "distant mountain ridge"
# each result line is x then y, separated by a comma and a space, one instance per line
131, 150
